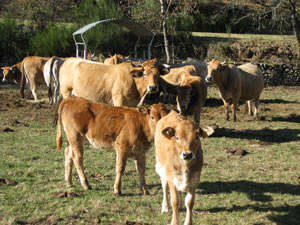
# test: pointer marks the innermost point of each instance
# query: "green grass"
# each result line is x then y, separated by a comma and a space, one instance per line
245, 36
261, 187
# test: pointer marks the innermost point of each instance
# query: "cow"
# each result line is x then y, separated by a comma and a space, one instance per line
179, 160
12, 73
196, 68
115, 59
130, 131
121, 85
243, 83
51, 76
33, 71
191, 96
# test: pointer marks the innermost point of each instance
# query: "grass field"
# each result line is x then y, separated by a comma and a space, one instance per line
262, 187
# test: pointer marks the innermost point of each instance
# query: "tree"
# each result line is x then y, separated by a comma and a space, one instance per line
288, 9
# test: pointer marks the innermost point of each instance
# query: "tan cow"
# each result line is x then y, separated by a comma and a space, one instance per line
51, 76
191, 96
196, 68
12, 73
179, 161
121, 84
243, 83
129, 131
115, 59
33, 71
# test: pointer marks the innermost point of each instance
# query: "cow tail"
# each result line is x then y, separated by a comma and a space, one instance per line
50, 91
59, 137
23, 80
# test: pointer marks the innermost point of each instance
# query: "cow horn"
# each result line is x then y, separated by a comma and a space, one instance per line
224, 62
166, 65
136, 65
142, 99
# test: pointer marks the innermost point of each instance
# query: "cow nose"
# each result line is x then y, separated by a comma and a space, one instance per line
183, 106
209, 78
187, 155
152, 88
3, 80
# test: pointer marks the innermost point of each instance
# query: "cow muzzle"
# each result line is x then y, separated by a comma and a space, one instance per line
187, 156
152, 88
183, 107
209, 79
4, 81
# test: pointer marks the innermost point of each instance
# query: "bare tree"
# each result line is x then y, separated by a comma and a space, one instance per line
289, 8
164, 8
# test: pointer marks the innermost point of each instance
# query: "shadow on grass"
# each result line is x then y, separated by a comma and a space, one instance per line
276, 101
265, 134
294, 118
256, 192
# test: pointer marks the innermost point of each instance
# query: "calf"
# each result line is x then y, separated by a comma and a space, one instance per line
179, 161
130, 131
191, 96
243, 83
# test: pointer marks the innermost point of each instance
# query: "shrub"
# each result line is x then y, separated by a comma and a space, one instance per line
54, 40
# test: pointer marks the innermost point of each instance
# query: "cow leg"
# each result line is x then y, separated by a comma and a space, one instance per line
68, 166
256, 103
76, 152
141, 168
33, 91
117, 100
28, 89
197, 116
121, 160
165, 203
226, 105
189, 204
234, 107
248, 107
175, 199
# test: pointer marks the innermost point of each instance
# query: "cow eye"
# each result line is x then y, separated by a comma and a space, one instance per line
177, 138
152, 118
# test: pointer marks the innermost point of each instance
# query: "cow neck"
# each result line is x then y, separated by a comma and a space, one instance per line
139, 86
222, 83
146, 127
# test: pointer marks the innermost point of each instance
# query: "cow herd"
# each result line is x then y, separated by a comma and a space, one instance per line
98, 102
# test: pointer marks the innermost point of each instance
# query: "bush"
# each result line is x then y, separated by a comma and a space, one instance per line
13, 41
54, 40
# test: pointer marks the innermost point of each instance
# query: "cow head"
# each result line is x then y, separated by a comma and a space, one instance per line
183, 97
10, 73
185, 139
147, 76
214, 70
156, 112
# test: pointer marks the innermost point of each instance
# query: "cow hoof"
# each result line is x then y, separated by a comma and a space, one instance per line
146, 192
118, 194
88, 187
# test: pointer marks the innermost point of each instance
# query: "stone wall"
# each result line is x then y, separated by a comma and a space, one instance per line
285, 74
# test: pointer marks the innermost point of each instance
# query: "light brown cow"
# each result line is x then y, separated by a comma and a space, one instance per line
179, 161
115, 59
191, 96
32, 70
12, 73
121, 84
128, 130
196, 68
243, 83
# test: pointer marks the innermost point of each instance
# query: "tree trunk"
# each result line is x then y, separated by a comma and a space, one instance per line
164, 28
296, 27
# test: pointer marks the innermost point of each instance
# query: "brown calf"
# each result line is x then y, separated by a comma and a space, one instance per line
129, 131
179, 161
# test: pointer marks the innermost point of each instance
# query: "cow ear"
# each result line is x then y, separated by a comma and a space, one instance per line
168, 132
164, 71
205, 131
144, 110
136, 73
